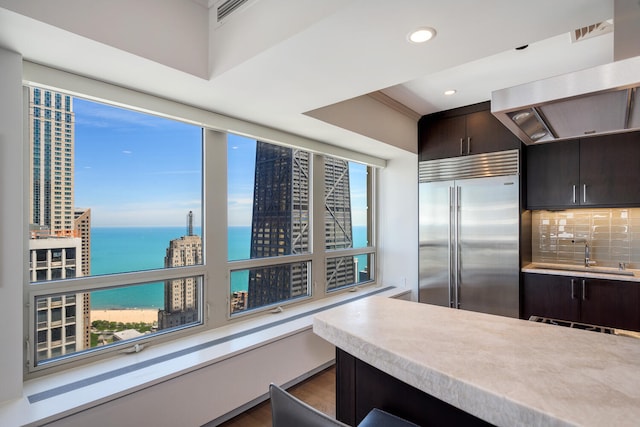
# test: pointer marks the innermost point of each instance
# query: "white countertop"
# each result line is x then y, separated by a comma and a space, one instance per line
506, 371
578, 271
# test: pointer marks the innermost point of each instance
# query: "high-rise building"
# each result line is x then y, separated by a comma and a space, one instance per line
51, 148
62, 322
59, 239
338, 230
82, 226
181, 295
280, 222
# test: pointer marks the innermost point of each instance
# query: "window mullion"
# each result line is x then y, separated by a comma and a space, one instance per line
318, 260
215, 227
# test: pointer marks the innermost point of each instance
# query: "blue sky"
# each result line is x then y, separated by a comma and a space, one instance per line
135, 169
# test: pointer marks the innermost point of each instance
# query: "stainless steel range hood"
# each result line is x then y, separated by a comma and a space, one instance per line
598, 100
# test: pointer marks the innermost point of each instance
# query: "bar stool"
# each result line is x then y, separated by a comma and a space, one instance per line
289, 411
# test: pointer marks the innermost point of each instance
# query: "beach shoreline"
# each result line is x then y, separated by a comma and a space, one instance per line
131, 315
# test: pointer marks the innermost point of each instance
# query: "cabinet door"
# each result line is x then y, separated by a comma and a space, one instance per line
610, 170
553, 175
610, 303
486, 134
551, 296
442, 138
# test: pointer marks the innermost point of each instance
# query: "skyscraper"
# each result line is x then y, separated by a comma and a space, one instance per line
280, 222
338, 230
181, 295
51, 148
56, 249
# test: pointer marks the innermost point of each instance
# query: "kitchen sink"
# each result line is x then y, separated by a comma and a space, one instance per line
577, 268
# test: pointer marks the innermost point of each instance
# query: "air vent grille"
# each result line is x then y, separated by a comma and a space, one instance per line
502, 163
228, 7
593, 30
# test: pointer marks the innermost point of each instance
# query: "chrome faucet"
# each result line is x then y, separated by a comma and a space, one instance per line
587, 261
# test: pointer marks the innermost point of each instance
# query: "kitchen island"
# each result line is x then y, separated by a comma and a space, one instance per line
500, 370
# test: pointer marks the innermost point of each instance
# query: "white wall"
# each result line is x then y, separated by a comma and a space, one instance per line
170, 32
12, 231
209, 393
398, 222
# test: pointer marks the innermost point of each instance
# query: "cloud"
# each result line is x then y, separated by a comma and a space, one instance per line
127, 151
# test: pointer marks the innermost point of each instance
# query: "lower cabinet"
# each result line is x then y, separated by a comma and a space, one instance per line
361, 387
612, 303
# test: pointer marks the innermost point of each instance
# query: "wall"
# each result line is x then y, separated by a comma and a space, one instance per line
12, 250
207, 394
613, 235
398, 222
172, 33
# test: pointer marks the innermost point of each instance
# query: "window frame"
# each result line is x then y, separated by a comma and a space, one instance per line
216, 269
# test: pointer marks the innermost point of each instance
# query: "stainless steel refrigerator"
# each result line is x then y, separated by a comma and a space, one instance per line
469, 233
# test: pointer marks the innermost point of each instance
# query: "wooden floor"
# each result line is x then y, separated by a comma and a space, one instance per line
318, 391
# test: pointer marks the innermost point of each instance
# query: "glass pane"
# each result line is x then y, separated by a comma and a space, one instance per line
348, 271
268, 199
346, 204
120, 314
111, 189
269, 285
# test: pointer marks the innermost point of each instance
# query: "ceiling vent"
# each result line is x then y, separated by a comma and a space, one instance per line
227, 7
593, 30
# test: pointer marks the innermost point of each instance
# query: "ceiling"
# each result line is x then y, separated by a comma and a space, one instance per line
276, 62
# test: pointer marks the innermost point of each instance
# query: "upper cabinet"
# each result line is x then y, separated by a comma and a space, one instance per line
553, 174
597, 171
463, 131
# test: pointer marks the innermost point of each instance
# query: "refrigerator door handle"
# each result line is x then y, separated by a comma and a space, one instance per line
451, 240
458, 247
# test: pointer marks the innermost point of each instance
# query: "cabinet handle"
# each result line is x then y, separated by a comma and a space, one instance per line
461, 149
584, 193
574, 194
584, 290
468, 145
573, 288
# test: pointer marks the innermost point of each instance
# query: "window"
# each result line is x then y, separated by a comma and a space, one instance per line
269, 211
117, 238
137, 180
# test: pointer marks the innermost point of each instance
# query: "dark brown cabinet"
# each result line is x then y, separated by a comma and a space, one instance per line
550, 296
553, 174
598, 171
610, 170
463, 131
361, 387
612, 303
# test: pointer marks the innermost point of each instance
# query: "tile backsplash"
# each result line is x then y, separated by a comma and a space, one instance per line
613, 236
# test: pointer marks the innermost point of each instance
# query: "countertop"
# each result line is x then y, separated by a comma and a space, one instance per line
586, 272
507, 371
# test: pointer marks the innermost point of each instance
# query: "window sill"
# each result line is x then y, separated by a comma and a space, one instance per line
61, 394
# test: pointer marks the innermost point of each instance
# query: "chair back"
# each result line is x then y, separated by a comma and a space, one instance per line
289, 411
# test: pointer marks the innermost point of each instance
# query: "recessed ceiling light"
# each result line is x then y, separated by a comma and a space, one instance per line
536, 136
518, 117
421, 35
450, 92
